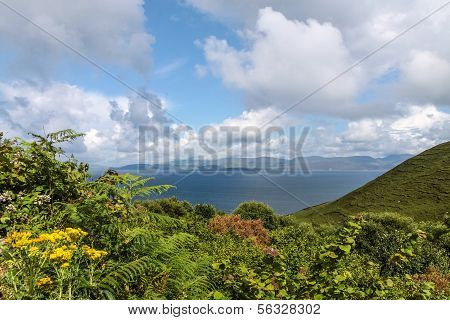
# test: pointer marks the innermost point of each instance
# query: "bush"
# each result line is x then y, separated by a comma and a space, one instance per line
383, 235
253, 210
388, 235
445, 240
204, 210
298, 244
174, 207
249, 229
150, 206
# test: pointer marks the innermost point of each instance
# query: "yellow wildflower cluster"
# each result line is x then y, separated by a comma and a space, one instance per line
94, 254
18, 239
61, 254
44, 281
69, 235
62, 249
22, 239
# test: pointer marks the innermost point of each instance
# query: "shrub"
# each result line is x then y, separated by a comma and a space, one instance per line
399, 246
65, 236
204, 210
150, 206
253, 210
297, 243
445, 240
441, 281
383, 235
174, 207
249, 229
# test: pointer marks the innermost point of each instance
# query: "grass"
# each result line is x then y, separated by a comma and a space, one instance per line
418, 188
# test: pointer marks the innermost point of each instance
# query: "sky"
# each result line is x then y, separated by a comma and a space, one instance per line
118, 66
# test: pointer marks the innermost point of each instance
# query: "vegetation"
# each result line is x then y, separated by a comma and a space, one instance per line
66, 236
418, 188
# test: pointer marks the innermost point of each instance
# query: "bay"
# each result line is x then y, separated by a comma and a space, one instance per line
285, 193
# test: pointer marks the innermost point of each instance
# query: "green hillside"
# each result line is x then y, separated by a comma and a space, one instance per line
419, 188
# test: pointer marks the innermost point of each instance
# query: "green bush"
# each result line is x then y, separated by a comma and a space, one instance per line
445, 240
205, 210
388, 235
298, 244
254, 210
174, 207
383, 235
151, 206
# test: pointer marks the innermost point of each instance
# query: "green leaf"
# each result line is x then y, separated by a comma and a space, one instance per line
333, 255
389, 283
218, 295
345, 248
270, 287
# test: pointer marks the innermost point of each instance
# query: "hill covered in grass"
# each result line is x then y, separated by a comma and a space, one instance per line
419, 188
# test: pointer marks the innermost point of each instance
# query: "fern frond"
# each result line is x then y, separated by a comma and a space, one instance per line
127, 274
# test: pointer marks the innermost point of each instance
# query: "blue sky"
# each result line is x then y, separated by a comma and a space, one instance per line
176, 29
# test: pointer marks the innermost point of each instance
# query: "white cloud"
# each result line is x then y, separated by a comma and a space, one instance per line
418, 128
239, 12
421, 56
425, 78
287, 52
286, 60
111, 123
106, 31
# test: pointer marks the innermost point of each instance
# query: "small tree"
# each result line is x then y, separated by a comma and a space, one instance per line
205, 210
254, 210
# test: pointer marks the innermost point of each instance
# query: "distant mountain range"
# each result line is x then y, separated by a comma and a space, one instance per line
314, 163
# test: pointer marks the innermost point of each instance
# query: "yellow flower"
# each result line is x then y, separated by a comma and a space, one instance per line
74, 234
94, 254
33, 250
50, 237
62, 254
44, 281
18, 239
69, 235
65, 265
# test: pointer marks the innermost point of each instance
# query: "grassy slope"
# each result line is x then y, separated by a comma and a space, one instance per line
419, 187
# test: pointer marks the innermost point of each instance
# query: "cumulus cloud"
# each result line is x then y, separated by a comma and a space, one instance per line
106, 31
238, 12
286, 60
418, 128
425, 78
362, 27
111, 123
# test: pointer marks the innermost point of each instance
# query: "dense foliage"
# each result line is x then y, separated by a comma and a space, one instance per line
66, 236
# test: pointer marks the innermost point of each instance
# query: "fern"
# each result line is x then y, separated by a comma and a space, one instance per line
126, 275
169, 268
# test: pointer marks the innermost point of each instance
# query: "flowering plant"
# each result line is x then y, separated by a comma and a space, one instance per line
49, 264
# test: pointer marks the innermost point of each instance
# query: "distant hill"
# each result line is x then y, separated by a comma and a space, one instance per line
315, 163
419, 187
